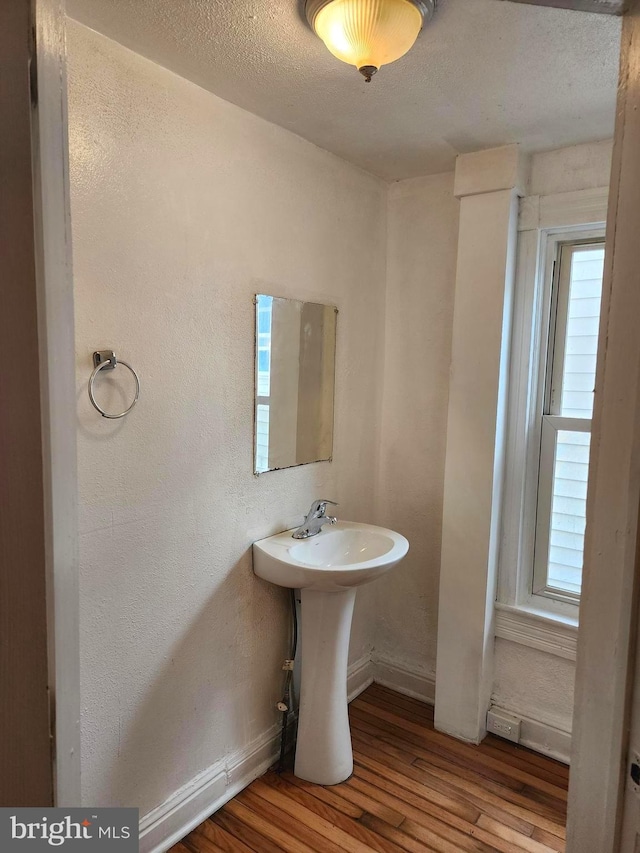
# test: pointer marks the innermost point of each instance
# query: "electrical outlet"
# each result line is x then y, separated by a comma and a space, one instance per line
504, 725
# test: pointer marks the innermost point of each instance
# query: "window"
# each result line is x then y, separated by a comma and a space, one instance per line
568, 370
552, 363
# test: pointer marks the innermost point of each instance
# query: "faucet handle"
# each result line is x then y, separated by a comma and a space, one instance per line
321, 506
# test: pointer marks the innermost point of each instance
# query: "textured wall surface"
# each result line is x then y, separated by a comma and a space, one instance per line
534, 684
580, 167
183, 207
422, 243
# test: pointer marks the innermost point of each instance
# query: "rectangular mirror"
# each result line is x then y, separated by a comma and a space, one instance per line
295, 377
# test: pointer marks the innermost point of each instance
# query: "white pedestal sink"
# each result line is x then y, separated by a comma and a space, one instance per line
327, 568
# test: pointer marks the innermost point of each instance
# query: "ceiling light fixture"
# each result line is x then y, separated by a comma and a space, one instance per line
369, 33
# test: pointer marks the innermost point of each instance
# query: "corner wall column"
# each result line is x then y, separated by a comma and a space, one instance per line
488, 184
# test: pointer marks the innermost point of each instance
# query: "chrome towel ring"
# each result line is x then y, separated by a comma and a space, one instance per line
106, 360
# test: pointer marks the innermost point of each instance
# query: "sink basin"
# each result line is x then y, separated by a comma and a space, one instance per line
340, 557
327, 568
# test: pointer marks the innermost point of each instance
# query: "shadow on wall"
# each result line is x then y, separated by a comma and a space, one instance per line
116, 393
191, 715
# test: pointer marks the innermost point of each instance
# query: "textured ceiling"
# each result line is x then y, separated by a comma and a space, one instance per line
483, 73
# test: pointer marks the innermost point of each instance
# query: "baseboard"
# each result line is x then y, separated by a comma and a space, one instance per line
403, 679
161, 828
542, 737
546, 739
359, 677
391, 674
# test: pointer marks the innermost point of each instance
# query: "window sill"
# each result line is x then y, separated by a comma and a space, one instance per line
538, 629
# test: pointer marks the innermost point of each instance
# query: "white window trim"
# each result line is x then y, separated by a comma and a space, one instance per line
545, 221
537, 630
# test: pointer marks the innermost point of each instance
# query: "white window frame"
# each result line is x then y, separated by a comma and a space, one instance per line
545, 223
552, 422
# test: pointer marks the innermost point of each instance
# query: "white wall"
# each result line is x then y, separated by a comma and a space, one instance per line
422, 246
183, 207
533, 684
580, 167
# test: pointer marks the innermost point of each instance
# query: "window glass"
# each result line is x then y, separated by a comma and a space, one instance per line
568, 511
581, 336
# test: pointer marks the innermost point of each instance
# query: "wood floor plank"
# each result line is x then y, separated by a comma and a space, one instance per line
461, 764
390, 816
208, 837
351, 827
388, 773
288, 820
470, 761
195, 843
334, 835
551, 771
410, 707
326, 795
457, 746
402, 752
461, 792
440, 756
442, 833
400, 699
519, 842
450, 839
548, 838
532, 757
400, 838
414, 790
537, 813
266, 827
559, 807
480, 795
431, 818
247, 834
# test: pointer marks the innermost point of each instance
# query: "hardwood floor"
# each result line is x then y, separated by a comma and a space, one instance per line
413, 790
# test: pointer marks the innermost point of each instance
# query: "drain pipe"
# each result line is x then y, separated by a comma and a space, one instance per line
287, 701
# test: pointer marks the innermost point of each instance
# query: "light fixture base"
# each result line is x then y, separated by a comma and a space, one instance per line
367, 72
313, 7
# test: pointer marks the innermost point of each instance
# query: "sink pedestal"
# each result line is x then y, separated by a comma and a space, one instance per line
323, 751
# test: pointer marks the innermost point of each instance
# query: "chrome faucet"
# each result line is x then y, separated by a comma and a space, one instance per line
316, 518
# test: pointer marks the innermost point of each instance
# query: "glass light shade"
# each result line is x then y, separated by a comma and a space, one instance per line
368, 33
